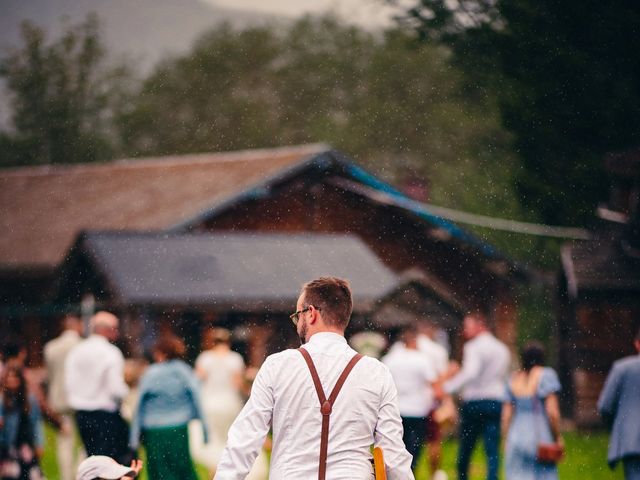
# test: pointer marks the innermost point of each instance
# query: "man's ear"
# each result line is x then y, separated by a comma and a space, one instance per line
315, 316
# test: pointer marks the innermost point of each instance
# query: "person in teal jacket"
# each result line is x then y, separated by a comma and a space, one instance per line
21, 431
168, 401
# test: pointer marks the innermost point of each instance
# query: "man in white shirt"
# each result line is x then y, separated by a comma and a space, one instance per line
284, 398
439, 358
413, 373
55, 356
481, 380
94, 381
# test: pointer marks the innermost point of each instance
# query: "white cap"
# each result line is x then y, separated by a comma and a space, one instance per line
101, 466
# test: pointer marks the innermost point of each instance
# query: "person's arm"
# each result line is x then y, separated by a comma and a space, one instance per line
139, 411
507, 415
471, 365
608, 401
116, 386
388, 433
249, 430
193, 391
552, 406
201, 367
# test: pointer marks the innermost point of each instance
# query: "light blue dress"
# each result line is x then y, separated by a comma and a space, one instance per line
529, 426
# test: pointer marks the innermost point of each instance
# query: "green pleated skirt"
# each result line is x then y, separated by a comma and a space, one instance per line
168, 455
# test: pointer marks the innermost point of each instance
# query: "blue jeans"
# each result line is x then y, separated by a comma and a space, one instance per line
415, 429
479, 417
631, 468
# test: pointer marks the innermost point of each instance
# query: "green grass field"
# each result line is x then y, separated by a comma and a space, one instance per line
585, 460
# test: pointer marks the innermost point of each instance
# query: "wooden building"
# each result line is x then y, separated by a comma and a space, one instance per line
599, 303
308, 189
246, 282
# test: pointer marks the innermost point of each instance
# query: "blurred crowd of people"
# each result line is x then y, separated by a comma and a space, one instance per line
181, 413
176, 412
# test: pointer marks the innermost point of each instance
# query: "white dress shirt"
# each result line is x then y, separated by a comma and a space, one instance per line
412, 372
283, 397
55, 356
485, 366
437, 353
94, 375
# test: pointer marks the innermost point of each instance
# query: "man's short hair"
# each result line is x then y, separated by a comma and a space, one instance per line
479, 315
332, 296
170, 346
103, 319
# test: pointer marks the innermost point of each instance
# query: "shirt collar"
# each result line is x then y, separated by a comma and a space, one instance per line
98, 338
326, 338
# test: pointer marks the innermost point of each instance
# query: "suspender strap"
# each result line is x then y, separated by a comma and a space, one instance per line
326, 406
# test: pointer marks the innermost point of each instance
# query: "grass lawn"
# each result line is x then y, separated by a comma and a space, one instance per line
586, 459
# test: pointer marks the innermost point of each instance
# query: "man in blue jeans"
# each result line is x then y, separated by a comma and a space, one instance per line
481, 381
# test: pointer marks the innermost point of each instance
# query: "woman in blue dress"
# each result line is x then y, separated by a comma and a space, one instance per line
531, 416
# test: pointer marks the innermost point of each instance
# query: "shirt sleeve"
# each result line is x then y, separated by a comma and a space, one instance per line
608, 401
136, 423
388, 433
193, 389
249, 430
549, 383
115, 378
471, 365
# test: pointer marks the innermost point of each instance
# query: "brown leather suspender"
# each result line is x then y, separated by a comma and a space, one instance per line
326, 405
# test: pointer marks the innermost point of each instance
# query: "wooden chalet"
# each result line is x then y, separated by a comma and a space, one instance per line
599, 295
308, 190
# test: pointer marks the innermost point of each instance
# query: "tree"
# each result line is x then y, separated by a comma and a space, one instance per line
568, 79
63, 98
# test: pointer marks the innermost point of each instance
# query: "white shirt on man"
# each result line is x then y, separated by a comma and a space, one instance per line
283, 397
94, 375
412, 372
485, 366
437, 353
55, 356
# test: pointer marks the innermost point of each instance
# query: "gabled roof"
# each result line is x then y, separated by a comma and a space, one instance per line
42, 209
245, 272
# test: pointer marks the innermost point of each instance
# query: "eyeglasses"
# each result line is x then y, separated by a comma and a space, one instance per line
295, 317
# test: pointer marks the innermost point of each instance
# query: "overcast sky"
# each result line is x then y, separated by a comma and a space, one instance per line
369, 13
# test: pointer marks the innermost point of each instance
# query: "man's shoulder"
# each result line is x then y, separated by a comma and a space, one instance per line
627, 363
283, 357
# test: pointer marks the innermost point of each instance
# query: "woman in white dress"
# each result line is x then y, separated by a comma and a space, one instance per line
221, 371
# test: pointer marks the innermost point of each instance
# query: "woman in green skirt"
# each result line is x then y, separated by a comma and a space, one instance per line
168, 401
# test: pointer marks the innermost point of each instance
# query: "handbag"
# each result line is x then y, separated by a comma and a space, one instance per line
549, 453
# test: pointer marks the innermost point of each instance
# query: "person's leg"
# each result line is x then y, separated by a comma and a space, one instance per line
434, 447
66, 447
469, 431
413, 436
112, 434
631, 468
491, 411
89, 431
